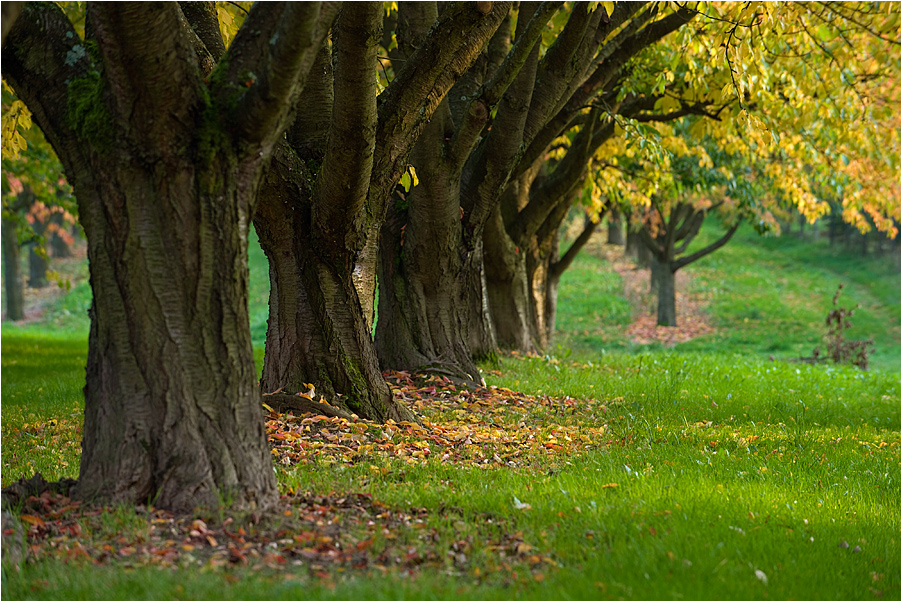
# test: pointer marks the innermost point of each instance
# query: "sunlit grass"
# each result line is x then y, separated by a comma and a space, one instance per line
709, 470
766, 296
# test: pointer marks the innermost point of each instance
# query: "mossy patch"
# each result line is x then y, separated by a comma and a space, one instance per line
86, 111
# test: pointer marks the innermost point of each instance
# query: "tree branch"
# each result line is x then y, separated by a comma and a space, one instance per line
411, 99
606, 71
560, 266
34, 61
205, 23
489, 166
649, 241
11, 12
344, 179
150, 67
266, 67
684, 261
487, 98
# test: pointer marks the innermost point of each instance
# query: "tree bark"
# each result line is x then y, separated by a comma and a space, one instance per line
165, 165
665, 286
331, 181
317, 331
423, 286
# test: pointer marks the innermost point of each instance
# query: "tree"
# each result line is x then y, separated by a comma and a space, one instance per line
325, 198
165, 158
767, 151
433, 292
37, 204
553, 169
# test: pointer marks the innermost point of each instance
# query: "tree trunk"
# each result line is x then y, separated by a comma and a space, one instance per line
508, 287
483, 342
58, 237
12, 275
665, 286
37, 258
172, 407
615, 228
317, 331
172, 404
424, 289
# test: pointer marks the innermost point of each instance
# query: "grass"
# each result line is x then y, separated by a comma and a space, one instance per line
767, 296
703, 471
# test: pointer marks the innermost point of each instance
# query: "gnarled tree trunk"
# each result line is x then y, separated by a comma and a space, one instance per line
165, 164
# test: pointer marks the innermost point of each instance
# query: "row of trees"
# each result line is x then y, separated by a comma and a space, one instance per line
176, 138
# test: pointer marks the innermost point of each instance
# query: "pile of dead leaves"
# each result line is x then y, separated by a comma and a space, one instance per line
484, 428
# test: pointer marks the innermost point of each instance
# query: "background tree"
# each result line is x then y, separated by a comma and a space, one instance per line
470, 160
37, 204
785, 111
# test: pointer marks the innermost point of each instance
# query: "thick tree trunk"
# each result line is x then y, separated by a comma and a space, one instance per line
165, 165
508, 287
424, 299
317, 332
172, 407
12, 274
665, 286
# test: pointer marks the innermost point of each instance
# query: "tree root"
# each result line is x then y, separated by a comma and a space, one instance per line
284, 402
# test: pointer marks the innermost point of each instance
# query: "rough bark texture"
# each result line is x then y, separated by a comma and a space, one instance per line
317, 332
431, 277
331, 181
431, 283
165, 171
423, 300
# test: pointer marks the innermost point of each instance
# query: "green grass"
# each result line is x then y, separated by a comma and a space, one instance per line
767, 296
715, 462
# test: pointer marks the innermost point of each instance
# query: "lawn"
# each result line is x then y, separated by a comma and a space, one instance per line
604, 470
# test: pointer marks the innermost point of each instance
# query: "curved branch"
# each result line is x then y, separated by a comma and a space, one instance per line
150, 66
411, 99
205, 23
684, 261
560, 266
34, 62
606, 71
485, 99
266, 66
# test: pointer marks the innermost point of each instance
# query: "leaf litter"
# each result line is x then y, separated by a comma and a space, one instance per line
486, 428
